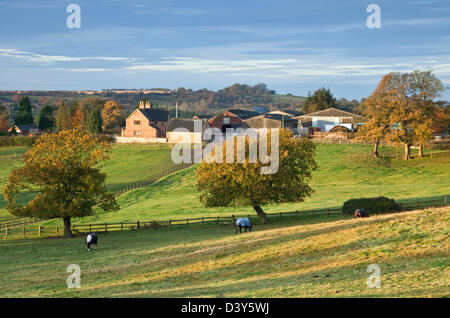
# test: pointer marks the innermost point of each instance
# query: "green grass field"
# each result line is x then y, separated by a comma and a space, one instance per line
344, 172
304, 257
127, 164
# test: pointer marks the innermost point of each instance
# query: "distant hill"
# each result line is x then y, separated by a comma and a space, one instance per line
200, 102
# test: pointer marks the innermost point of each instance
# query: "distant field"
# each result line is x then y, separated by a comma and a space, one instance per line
344, 172
305, 257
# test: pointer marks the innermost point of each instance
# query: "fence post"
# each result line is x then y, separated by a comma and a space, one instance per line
202, 220
23, 231
57, 229
6, 232
106, 227
90, 228
232, 219
328, 212
138, 225
417, 205
187, 221
121, 226
39, 231
445, 200
281, 215
217, 220
170, 222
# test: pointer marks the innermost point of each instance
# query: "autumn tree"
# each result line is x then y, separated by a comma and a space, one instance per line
62, 170
63, 117
112, 115
442, 123
244, 184
376, 114
424, 88
321, 99
24, 115
83, 110
406, 100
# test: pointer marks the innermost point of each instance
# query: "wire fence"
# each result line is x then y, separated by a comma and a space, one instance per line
33, 231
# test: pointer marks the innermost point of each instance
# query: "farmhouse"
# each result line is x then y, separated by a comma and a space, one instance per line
25, 130
329, 118
146, 122
186, 130
231, 118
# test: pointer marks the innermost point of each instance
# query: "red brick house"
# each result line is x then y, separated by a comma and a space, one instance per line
146, 122
231, 118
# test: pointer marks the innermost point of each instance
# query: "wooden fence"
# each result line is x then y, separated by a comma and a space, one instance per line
433, 144
55, 230
153, 179
18, 222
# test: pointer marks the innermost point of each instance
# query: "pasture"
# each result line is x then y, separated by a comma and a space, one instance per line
344, 172
312, 256
127, 164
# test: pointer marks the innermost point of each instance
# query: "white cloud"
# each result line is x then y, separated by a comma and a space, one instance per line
34, 57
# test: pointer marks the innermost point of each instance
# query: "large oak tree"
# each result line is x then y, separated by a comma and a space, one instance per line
62, 170
243, 184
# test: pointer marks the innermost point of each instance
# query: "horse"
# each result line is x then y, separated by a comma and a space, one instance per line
243, 223
91, 239
361, 213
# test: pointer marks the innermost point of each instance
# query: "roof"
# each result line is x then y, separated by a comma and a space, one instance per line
260, 109
26, 127
185, 123
270, 121
243, 114
155, 114
330, 112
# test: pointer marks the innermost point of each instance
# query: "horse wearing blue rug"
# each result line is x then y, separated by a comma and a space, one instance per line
243, 223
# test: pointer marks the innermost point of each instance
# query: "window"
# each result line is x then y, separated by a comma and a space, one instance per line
137, 122
136, 133
226, 120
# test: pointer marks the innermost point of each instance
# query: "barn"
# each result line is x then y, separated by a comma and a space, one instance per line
329, 118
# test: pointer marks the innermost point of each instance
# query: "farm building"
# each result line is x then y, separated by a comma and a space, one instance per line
25, 130
271, 120
231, 118
186, 130
146, 122
329, 118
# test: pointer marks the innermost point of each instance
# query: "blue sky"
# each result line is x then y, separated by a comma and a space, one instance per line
293, 46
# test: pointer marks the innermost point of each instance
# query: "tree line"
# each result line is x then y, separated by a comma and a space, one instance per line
94, 115
403, 109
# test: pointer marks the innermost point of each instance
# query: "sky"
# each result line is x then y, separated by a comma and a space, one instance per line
293, 46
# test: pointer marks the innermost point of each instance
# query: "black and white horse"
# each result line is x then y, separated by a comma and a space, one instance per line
243, 223
91, 239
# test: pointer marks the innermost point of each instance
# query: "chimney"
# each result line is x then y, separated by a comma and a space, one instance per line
147, 104
141, 104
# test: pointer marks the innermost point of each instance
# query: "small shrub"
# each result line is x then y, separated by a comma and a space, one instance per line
373, 205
